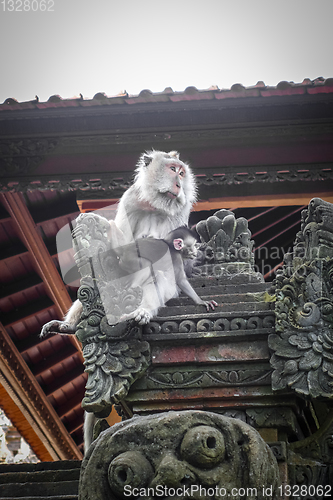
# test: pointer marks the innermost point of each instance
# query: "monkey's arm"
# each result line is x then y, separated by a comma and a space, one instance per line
66, 327
185, 287
57, 327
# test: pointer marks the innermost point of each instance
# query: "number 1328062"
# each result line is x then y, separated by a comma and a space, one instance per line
27, 5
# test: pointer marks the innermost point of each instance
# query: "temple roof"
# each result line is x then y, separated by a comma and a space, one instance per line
284, 88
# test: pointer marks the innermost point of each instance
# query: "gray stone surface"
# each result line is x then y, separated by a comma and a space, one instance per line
177, 450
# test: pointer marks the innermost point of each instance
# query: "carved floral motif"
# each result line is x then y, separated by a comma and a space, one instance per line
206, 377
303, 344
216, 322
225, 238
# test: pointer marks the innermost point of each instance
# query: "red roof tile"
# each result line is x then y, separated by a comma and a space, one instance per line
283, 88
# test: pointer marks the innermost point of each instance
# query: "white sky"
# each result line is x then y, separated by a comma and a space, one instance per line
109, 46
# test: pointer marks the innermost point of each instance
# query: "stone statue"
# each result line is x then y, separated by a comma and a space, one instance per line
193, 454
226, 244
115, 356
303, 343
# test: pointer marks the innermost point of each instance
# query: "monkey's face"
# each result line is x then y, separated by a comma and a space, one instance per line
174, 173
170, 188
189, 250
165, 181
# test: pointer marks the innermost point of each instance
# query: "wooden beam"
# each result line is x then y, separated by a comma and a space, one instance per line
19, 421
47, 434
286, 199
28, 403
91, 205
261, 201
43, 263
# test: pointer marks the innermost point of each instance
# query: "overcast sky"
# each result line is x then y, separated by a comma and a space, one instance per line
86, 47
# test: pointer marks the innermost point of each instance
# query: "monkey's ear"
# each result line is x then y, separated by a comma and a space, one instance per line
178, 243
174, 154
147, 159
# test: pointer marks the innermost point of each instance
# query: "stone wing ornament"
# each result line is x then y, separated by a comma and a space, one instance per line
303, 343
115, 355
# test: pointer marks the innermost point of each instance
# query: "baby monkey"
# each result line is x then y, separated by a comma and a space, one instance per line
157, 266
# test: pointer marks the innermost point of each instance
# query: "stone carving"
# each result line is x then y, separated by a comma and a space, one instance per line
16, 160
205, 377
115, 355
23, 156
177, 454
303, 343
311, 461
214, 323
226, 246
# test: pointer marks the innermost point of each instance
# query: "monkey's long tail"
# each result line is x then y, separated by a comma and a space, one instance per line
88, 429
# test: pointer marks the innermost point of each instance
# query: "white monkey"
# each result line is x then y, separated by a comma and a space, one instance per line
160, 200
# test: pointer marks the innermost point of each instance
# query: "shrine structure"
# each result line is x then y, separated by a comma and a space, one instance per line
254, 375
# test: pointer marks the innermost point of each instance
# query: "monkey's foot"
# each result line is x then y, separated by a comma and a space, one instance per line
56, 327
141, 316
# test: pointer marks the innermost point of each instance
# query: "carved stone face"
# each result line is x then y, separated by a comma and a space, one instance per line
173, 454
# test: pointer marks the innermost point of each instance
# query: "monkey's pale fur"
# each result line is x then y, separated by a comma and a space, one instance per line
145, 208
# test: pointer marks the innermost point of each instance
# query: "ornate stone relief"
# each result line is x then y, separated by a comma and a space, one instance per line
22, 156
190, 454
235, 321
205, 377
226, 247
115, 354
303, 343
311, 461
19, 158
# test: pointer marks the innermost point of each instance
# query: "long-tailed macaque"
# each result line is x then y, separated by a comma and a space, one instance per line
160, 200
157, 266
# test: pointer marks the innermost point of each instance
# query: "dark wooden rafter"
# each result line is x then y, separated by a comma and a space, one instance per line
62, 381
42, 260
46, 432
266, 227
59, 357
49, 435
28, 311
68, 407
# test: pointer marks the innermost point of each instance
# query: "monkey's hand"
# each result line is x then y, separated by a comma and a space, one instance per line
141, 316
209, 303
56, 327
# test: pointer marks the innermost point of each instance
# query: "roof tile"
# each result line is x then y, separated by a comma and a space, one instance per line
318, 86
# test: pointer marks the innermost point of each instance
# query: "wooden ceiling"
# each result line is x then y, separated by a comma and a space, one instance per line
263, 157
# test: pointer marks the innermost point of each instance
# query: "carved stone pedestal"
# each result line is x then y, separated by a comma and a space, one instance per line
262, 360
183, 454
